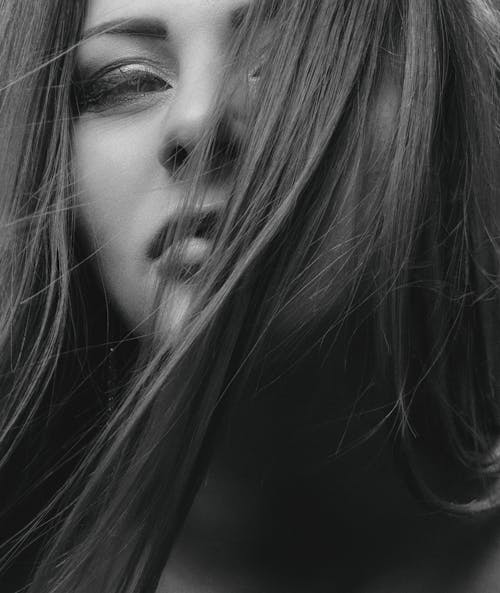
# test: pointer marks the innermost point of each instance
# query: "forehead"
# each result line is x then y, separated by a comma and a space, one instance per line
175, 14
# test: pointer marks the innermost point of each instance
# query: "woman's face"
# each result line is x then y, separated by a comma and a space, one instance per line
148, 81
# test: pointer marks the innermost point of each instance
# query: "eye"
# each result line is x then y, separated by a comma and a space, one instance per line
120, 85
258, 64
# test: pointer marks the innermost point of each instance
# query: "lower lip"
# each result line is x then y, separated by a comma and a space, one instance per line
187, 260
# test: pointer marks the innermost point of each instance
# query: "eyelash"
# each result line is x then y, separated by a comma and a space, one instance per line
119, 85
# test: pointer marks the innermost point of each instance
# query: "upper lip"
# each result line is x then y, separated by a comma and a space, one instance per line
202, 224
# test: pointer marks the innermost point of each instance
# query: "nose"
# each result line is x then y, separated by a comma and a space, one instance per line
194, 115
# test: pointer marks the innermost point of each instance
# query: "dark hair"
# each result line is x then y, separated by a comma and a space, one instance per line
36, 226
419, 252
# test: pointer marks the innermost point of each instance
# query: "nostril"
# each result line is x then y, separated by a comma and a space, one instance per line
176, 158
213, 155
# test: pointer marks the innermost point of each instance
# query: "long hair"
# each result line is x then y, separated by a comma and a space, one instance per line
418, 247
36, 229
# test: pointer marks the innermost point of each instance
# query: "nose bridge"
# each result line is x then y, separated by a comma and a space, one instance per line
193, 106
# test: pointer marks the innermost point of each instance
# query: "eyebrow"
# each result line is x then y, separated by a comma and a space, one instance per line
154, 28
134, 27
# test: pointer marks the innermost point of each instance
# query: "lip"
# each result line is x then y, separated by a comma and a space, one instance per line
201, 222
185, 259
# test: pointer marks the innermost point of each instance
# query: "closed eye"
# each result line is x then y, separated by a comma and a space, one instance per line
120, 85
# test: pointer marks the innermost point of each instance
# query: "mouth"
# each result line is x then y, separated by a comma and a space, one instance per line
192, 251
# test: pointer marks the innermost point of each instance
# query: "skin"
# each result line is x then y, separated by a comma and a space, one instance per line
127, 193
127, 190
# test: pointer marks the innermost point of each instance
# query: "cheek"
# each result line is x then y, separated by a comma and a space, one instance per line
386, 104
326, 283
114, 171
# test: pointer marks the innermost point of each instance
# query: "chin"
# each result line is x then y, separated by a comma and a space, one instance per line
173, 313
145, 318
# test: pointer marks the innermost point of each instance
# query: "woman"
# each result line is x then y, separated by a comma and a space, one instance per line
250, 295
